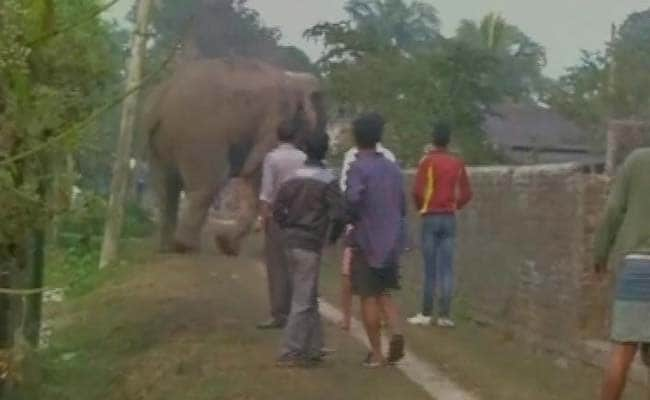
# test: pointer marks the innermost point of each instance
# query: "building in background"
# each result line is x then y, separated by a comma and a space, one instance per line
530, 134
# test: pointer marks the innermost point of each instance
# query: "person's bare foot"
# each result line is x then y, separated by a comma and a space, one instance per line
373, 361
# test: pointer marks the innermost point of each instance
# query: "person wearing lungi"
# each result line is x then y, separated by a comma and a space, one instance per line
624, 239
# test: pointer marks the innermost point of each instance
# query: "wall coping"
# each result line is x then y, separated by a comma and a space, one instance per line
517, 169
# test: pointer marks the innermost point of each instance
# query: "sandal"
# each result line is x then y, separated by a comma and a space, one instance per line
396, 349
645, 354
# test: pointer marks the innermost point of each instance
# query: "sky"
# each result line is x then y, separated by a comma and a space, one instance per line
563, 27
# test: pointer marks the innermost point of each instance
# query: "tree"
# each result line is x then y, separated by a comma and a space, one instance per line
521, 59
378, 26
610, 84
119, 185
220, 28
630, 55
580, 93
54, 63
413, 81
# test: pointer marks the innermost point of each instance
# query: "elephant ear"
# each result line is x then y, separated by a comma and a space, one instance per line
300, 122
317, 99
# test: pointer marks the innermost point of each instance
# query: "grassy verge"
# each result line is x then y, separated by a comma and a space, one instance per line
184, 328
479, 357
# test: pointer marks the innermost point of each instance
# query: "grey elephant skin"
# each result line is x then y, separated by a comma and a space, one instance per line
213, 121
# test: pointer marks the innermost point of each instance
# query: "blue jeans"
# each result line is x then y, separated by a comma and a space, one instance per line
438, 243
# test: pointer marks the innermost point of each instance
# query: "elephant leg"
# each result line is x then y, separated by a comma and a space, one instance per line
193, 214
203, 177
229, 240
169, 188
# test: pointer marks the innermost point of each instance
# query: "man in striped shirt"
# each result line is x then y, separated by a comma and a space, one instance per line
441, 189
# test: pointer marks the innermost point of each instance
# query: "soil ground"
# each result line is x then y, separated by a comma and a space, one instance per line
184, 328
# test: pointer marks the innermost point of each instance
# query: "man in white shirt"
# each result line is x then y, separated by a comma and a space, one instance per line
279, 165
346, 288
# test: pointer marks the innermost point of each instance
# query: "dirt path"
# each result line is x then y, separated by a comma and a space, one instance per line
183, 328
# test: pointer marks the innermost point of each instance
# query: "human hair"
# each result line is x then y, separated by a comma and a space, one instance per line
316, 146
441, 134
368, 130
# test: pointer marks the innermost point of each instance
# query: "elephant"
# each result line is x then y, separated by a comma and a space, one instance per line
214, 121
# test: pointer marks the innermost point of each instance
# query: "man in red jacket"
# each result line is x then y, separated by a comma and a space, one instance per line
441, 188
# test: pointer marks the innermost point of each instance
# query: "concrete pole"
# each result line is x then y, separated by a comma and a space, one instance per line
120, 181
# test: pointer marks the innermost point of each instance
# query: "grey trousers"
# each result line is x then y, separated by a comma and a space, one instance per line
277, 273
303, 335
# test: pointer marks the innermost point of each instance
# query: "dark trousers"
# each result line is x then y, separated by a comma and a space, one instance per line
277, 273
303, 335
438, 243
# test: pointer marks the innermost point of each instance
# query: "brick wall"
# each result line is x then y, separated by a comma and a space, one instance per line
524, 255
622, 138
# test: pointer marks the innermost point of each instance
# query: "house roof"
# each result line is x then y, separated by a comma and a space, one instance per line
528, 126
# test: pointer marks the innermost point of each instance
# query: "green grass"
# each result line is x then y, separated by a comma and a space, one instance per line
76, 268
184, 328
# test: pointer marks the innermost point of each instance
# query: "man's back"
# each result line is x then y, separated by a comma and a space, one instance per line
351, 155
307, 202
634, 196
375, 194
441, 184
279, 164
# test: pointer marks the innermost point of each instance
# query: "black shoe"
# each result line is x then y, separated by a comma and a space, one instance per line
271, 324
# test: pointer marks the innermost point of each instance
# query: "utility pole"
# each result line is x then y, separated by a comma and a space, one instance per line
611, 79
120, 181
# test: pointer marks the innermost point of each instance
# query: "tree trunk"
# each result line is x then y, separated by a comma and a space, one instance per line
34, 302
120, 181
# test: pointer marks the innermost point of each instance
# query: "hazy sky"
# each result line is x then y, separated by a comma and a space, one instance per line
562, 26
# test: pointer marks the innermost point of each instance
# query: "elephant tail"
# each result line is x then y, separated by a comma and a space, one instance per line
151, 122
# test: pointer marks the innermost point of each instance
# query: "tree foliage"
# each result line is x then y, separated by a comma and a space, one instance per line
378, 26
221, 28
50, 78
521, 59
389, 56
630, 54
610, 84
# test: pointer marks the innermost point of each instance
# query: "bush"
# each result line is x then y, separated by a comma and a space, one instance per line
74, 269
83, 225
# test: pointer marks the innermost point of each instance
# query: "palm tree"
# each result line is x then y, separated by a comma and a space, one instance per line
394, 22
521, 59
377, 26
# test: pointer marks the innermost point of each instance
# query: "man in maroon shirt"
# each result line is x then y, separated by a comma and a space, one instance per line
441, 188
